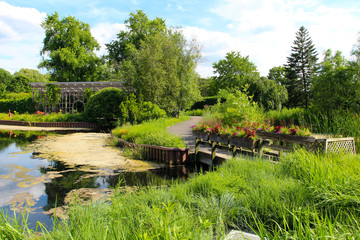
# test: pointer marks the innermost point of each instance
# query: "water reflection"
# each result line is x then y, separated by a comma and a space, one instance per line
29, 180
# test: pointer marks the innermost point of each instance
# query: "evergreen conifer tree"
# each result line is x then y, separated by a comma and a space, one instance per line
301, 67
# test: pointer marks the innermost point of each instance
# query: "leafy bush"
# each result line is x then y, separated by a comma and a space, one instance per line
19, 102
237, 108
103, 106
150, 111
133, 110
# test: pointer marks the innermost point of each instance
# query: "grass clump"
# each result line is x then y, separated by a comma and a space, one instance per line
152, 132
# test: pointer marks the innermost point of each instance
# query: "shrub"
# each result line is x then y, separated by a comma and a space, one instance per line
237, 108
103, 106
19, 102
150, 111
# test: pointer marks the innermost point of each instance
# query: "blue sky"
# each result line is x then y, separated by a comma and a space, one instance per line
261, 29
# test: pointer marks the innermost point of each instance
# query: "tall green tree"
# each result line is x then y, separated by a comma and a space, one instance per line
268, 93
278, 74
139, 27
156, 62
237, 72
19, 83
301, 68
233, 72
336, 86
5, 79
69, 50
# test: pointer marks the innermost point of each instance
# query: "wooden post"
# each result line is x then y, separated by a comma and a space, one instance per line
213, 153
197, 145
234, 148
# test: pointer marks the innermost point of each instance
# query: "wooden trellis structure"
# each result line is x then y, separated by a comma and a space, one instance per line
71, 95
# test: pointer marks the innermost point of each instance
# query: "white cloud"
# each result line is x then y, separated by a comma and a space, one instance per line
105, 33
20, 37
265, 29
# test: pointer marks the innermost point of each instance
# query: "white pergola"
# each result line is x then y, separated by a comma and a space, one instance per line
72, 94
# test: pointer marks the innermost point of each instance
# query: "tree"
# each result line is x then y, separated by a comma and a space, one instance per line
139, 27
5, 79
336, 86
19, 83
33, 75
268, 93
278, 74
156, 62
68, 51
301, 67
234, 72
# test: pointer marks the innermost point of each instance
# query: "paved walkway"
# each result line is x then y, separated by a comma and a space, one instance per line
184, 130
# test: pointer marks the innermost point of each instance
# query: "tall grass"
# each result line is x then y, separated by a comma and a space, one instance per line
305, 196
339, 123
153, 132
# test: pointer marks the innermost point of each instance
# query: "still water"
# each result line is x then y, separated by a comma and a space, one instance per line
27, 180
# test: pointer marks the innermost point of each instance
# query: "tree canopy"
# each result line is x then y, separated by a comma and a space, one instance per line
68, 51
237, 72
233, 72
5, 79
336, 86
156, 62
33, 75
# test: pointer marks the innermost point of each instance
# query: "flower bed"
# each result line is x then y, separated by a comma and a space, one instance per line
246, 133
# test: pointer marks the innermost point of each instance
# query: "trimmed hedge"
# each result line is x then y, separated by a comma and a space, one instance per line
19, 102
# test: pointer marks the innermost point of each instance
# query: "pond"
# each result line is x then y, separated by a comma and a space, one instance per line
28, 180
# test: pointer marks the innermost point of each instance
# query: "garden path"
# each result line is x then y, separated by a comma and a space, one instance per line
184, 130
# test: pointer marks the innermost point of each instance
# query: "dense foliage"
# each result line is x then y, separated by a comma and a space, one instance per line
335, 84
156, 62
110, 107
19, 102
237, 72
33, 75
69, 50
5, 79
103, 106
236, 108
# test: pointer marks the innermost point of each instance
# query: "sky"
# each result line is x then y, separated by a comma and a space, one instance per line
264, 30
